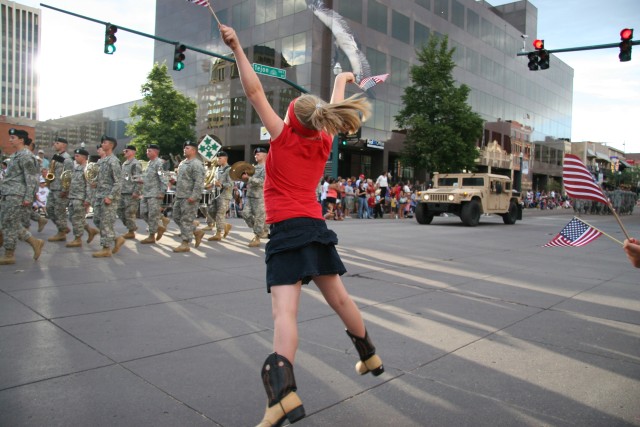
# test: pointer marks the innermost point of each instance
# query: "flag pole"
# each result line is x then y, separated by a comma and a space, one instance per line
615, 214
214, 14
603, 233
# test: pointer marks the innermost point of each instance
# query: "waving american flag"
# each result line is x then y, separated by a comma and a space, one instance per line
369, 82
204, 3
576, 233
579, 182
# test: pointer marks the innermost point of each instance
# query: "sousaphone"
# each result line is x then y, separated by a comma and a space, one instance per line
238, 168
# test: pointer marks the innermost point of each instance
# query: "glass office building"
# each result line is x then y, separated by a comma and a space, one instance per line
287, 34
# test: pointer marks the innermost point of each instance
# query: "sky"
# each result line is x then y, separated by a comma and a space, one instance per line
76, 75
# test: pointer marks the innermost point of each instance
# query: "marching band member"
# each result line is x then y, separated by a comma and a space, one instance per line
253, 211
57, 200
79, 200
129, 198
220, 205
153, 194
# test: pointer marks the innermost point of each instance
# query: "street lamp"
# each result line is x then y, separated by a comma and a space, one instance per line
337, 69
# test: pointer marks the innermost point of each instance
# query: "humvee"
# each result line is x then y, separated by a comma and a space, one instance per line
469, 195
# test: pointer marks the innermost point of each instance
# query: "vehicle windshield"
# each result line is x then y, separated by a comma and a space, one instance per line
448, 182
473, 182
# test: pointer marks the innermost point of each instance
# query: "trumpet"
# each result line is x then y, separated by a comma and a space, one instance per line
51, 174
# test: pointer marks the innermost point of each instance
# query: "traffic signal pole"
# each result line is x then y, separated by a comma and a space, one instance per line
161, 39
575, 49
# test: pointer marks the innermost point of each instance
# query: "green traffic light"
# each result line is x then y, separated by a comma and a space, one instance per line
343, 142
109, 49
178, 66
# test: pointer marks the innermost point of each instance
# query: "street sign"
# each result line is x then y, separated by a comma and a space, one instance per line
278, 73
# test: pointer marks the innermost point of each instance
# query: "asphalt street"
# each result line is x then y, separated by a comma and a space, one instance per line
476, 326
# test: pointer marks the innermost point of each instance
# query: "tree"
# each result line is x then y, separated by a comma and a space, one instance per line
441, 129
166, 117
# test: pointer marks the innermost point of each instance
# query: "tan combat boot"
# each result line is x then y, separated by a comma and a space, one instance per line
184, 247
42, 221
102, 253
118, 244
60, 236
93, 232
8, 258
255, 241
217, 237
75, 243
227, 229
150, 239
36, 245
208, 227
165, 221
129, 235
265, 234
198, 234
160, 232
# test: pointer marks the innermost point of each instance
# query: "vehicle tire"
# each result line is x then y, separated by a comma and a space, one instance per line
422, 214
470, 213
512, 215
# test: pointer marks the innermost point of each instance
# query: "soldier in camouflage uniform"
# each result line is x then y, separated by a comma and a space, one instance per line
109, 184
189, 183
253, 211
57, 201
79, 200
32, 214
220, 205
131, 191
153, 188
17, 193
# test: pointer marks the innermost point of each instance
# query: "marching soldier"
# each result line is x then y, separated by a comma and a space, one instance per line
220, 205
57, 200
109, 184
190, 181
79, 196
32, 214
153, 193
253, 211
130, 199
17, 191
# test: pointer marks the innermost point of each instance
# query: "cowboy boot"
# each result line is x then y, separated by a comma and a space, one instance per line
102, 253
93, 232
369, 360
227, 229
184, 247
129, 235
160, 232
60, 236
8, 258
255, 241
280, 385
75, 243
42, 221
36, 245
198, 234
150, 239
118, 244
217, 237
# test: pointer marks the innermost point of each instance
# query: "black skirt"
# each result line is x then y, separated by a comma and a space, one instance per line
299, 249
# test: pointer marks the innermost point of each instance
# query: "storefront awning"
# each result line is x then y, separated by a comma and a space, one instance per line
590, 153
603, 157
625, 163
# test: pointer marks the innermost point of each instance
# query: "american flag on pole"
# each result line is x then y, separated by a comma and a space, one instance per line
369, 82
576, 233
579, 182
204, 3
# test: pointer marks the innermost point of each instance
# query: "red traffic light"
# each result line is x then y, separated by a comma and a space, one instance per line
626, 34
538, 44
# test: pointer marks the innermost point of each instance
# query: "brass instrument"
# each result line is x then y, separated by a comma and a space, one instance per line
91, 172
65, 180
51, 174
212, 172
239, 168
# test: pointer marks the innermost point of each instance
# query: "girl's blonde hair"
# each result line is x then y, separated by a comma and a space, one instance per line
342, 117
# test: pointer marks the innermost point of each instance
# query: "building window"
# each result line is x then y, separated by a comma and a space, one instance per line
377, 61
294, 50
400, 26
420, 35
424, 3
265, 54
377, 16
265, 11
241, 15
473, 23
286, 96
289, 7
238, 110
399, 72
442, 9
457, 14
351, 9
255, 118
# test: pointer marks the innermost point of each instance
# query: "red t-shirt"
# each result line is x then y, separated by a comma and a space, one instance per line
293, 169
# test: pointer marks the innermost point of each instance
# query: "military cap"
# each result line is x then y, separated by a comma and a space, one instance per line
190, 144
61, 139
153, 146
22, 134
110, 139
222, 154
131, 147
260, 150
81, 151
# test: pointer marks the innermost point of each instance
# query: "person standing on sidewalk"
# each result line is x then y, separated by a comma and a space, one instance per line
79, 200
153, 188
17, 192
301, 247
57, 200
130, 197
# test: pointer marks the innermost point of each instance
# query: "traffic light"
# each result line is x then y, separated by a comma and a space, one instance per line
533, 61
543, 59
542, 56
178, 56
110, 39
343, 139
538, 44
625, 45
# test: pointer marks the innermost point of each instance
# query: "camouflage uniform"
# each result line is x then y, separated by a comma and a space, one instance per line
153, 192
109, 185
220, 205
56, 203
253, 211
129, 203
189, 184
30, 214
17, 187
78, 194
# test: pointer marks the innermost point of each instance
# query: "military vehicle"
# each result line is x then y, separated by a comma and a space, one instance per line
469, 195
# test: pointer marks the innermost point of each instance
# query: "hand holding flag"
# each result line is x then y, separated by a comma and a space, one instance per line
369, 82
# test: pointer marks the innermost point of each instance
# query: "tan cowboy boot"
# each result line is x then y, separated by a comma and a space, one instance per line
42, 221
93, 232
102, 253
36, 245
217, 237
118, 244
75, 243
129, 235
198, 234
227, 229
60, 236
255, 241
184, 247
160, 232
8, 258
150, 239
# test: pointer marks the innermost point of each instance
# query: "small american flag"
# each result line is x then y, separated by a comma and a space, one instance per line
204, 3
576, 233
579, 182
369, 82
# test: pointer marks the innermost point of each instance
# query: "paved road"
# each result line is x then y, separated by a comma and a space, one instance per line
476, 327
